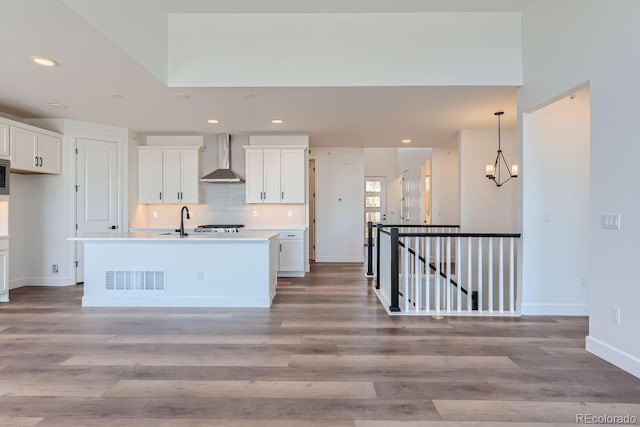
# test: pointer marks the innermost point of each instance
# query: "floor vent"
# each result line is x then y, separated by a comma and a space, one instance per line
121, 280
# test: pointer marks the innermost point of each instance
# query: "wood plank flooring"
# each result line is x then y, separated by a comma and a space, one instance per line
326, 354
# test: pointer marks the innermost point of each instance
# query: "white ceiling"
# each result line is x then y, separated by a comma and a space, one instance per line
93, 68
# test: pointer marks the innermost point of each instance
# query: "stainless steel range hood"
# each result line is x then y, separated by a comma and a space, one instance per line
223, 174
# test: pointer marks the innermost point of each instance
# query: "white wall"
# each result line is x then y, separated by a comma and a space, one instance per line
339, 204
344, 49
594, 40
42, 210
485, 207
445, 188
556, 209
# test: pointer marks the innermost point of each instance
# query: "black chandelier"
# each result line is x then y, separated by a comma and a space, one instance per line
495, 171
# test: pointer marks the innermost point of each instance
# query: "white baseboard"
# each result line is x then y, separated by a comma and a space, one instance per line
291, 273
613, 355
555, 309
40, 281
340, 258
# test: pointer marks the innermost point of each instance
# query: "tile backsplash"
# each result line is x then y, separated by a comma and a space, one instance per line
221, 204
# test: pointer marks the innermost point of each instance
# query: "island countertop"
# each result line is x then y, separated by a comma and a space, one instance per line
175, 237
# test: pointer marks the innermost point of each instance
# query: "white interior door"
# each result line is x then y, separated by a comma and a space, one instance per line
375, 202
97, 196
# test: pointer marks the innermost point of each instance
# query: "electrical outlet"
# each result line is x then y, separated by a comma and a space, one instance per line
614, 314
155, 214
289, 213
200, 275
54, 268
255, 213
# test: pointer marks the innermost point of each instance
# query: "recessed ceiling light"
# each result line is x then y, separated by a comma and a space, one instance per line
57, 105
45, 62
406, 141
213, 121
277, 121
115, 95
182, 95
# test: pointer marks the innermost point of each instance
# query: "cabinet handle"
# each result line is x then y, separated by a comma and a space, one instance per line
178, 195
41, 162
280, 247
282, 198
36, 157
291, 235
161, 195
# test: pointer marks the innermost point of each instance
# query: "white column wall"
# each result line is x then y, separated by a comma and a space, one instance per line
594, 40
445, 186
556, 184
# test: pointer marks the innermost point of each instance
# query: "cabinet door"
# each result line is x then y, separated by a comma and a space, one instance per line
171, 176
50, 154
4, 280
23, 149
254, 176
150, 176
4, 141
189, 176
272, 176
292, 182
291, 255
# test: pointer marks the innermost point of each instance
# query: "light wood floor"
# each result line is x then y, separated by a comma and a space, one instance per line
325, 354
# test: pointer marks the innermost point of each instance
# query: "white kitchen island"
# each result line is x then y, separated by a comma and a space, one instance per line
166, 270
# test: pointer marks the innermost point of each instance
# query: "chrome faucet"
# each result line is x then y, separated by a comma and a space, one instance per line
182, 233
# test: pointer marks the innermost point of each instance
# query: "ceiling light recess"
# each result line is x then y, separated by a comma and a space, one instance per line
277, 121
45, 62
213, 121
57, 105
406, 141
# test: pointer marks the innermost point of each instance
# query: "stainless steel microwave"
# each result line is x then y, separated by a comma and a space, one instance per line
5, 165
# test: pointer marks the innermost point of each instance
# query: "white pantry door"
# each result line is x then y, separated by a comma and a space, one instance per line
97, 192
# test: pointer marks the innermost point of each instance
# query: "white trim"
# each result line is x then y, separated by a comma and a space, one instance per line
291, 273
175, 301
555, 309
40, 281
613, 355
340, 258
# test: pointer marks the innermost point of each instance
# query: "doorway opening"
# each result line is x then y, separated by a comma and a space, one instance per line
375, 202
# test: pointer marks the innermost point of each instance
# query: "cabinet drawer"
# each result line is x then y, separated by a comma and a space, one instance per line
291, 235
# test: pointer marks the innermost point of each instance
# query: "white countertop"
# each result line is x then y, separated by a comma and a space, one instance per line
191, 238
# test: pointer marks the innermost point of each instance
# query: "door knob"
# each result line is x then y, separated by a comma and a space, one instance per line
113, 227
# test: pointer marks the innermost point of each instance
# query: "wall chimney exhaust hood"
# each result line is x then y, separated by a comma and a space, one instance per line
223, 174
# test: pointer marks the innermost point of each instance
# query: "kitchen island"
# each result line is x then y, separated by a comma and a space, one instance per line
166, 270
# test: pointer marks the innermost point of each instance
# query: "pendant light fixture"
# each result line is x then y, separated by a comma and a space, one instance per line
499, 170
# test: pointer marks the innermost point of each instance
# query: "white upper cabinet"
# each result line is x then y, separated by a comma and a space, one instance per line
4, 141
149, 175
33, 151
292, 171
168, 174
275, 174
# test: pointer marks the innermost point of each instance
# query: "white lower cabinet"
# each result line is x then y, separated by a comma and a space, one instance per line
4, 271
291, 246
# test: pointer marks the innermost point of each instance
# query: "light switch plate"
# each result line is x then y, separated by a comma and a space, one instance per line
611, 221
